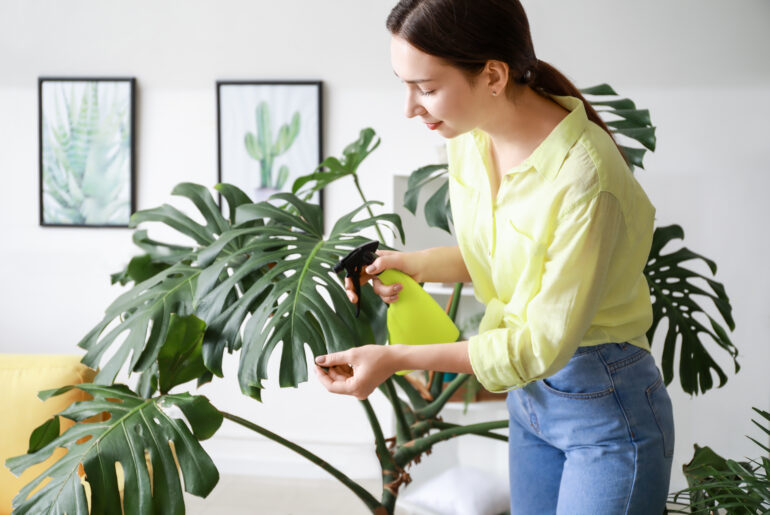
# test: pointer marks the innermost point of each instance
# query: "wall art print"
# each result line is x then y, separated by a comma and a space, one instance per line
87, 148
269, 135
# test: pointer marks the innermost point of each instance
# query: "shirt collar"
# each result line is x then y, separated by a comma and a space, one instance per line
549, 155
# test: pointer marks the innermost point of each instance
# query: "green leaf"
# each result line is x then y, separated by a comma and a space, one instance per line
200, 196
674, 300
287, 303
352, 156
437, 206
634, 123
150, 305
180, 359
43, 435
639, 116
601, 89
142, 268
623, 103
234, 197
137, 428
634, 155
644, 135
173, 217
417, 180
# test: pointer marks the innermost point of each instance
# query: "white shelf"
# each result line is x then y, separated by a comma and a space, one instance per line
442, 289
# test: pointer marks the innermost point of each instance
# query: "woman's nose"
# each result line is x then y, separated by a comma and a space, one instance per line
413, 107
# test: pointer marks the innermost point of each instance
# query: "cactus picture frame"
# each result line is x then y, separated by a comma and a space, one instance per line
269, 134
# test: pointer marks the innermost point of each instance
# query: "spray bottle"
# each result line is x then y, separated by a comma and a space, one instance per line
415, 318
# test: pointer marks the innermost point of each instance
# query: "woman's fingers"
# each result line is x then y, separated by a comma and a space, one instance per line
330, 383
340, 372
388, 292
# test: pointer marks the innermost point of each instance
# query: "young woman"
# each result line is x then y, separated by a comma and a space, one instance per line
554, 232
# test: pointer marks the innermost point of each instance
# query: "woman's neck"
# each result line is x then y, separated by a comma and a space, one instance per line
516, 128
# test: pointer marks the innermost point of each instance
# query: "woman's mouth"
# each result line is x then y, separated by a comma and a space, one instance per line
433, 126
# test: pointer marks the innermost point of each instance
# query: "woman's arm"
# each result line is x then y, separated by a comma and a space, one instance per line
441, 265
358, 371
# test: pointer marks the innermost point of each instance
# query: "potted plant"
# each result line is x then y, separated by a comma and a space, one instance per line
249, 281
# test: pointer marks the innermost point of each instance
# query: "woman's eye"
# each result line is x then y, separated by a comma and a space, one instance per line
427, 93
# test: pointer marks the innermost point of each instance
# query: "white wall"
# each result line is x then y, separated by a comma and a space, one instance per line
701, 67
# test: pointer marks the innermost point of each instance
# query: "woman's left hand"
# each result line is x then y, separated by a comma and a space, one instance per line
357, 371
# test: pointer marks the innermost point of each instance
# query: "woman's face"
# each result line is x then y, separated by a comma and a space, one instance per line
436, 92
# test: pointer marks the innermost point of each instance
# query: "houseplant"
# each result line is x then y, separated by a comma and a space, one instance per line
248, 282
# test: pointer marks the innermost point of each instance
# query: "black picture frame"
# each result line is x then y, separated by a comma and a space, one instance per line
99, 167
238, 104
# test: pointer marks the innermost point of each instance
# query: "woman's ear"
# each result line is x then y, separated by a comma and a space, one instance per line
497, 75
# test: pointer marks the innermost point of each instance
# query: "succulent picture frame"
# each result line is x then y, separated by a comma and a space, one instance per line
87, 165
269, 133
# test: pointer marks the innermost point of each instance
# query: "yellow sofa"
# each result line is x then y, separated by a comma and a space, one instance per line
22, 377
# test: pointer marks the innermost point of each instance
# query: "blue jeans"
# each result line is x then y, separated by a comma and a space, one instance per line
595, 438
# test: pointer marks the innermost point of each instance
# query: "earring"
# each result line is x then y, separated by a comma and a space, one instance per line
494, 93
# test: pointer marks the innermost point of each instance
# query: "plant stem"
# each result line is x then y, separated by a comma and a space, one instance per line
408, 452
433, 408
368, 208
402, 427
420, 428
455, 301
410, 391
357, 489
447, 425
390, 473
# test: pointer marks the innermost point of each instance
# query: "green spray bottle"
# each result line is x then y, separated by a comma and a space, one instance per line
415, 318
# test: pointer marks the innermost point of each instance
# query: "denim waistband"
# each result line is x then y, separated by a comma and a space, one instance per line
592, 348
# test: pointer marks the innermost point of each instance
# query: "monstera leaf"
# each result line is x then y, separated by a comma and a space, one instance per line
264, 281
631, 122
288, 304
352, 156
144, 312
674, 299
437, 209
138, 433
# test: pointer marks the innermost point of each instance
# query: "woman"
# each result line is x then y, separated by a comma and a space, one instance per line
554, 232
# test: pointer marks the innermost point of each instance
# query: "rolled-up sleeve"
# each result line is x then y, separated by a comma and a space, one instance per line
557, 317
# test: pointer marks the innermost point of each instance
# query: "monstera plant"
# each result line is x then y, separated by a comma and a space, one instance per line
260, 276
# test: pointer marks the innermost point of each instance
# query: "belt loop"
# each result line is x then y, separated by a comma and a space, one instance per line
623, 345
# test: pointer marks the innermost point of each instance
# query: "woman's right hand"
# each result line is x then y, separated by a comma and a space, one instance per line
405, 262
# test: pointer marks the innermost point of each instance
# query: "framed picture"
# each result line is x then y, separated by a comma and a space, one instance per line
269, 134
87, 148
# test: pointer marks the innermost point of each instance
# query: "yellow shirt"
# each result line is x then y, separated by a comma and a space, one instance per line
557, 257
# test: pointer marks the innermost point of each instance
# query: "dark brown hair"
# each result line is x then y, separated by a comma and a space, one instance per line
468, 33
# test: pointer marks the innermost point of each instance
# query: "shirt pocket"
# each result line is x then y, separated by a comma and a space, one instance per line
528, 259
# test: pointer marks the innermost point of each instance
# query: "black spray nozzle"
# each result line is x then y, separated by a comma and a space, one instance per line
354, 262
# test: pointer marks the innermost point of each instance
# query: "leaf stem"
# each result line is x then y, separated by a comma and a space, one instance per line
408, 452
435, 406
357, 489
390, 471
402, 427
368, 208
